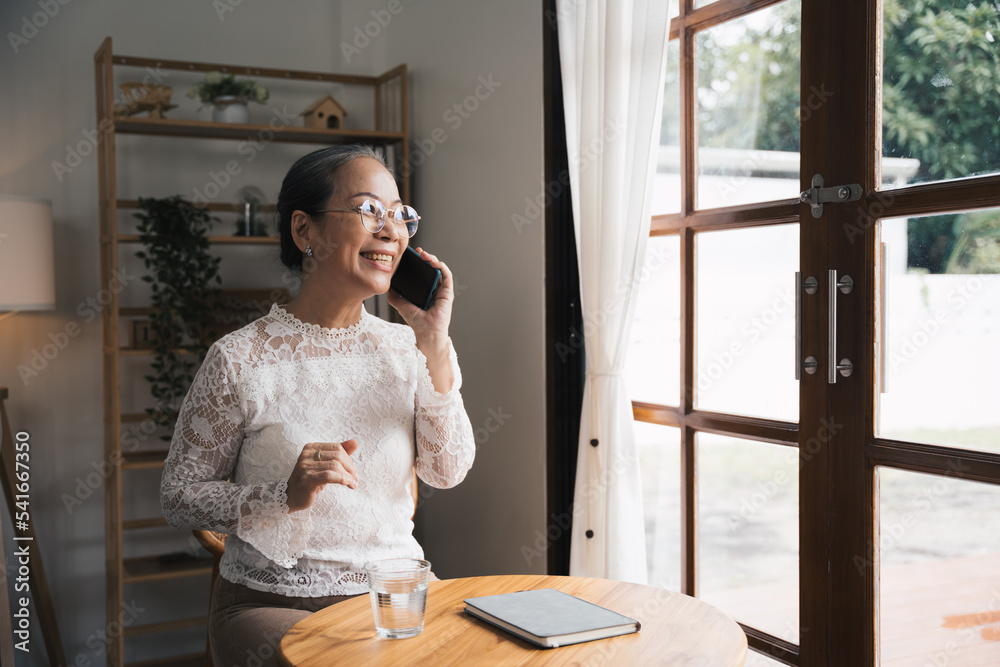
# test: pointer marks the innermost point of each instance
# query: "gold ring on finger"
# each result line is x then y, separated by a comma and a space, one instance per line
319, 455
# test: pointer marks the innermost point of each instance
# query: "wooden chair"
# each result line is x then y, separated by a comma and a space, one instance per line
215, 543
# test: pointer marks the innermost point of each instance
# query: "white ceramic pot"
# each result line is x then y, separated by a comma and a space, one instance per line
230, 109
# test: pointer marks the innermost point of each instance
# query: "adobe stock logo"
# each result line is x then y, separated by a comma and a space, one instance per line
37, 21
362, 38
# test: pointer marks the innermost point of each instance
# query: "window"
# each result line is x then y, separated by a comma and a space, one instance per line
836, 521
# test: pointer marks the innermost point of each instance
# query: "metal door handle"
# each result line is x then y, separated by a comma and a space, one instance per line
884, 271
810, 286
845, 366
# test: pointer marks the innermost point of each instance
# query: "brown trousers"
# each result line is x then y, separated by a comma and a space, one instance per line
246, 626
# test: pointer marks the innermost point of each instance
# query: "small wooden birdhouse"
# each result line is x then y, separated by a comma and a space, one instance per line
324, 114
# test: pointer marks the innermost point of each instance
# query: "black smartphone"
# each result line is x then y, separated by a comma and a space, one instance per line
416, 279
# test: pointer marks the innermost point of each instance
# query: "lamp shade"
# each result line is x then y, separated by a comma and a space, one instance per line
27, 280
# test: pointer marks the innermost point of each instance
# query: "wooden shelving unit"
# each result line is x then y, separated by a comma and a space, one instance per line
153, 568
215, 240
135, 524
179, 624
144, 460
204, 130
388, 129
192, 660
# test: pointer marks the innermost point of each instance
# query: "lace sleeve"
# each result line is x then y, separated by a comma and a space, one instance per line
445, 444
194, 492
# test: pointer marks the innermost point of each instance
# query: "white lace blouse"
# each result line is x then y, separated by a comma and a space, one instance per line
265, 391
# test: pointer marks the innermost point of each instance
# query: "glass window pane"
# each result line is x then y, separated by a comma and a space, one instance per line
942, 325
940, 90
652, 368
939, 570
745, 321
748, 532
658, 448
667, 186
748, 108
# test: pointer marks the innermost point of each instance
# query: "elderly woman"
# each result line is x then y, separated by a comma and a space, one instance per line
318, 414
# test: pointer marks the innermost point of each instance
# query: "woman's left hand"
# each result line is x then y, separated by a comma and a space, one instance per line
429, 326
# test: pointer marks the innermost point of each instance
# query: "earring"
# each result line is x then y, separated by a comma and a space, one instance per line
309, 251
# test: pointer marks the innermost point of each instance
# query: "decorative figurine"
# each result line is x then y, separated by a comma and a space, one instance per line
324, 114
141, 97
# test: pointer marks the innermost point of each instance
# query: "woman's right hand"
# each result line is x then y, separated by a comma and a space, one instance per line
310, 475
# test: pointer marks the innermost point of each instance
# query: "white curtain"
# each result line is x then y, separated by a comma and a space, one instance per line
613, 55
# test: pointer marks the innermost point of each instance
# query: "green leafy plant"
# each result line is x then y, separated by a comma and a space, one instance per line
217, 84
977, 243
181, 275
942, 85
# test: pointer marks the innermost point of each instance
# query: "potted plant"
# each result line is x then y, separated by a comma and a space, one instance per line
228, 96
182, 275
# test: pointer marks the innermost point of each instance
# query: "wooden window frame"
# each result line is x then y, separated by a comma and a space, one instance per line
685, 224
836, 605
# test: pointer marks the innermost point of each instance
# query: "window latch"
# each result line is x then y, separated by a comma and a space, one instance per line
817, 195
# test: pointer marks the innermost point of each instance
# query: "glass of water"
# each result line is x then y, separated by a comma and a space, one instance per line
398, 588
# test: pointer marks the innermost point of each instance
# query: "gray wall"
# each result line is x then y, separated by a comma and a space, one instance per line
466, 189
474, 167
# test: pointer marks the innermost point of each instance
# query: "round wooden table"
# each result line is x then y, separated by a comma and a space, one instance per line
676, 630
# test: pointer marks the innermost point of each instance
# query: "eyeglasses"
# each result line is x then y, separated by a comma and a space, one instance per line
374, 215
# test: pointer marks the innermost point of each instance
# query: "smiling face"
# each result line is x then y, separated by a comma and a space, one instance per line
350, 260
